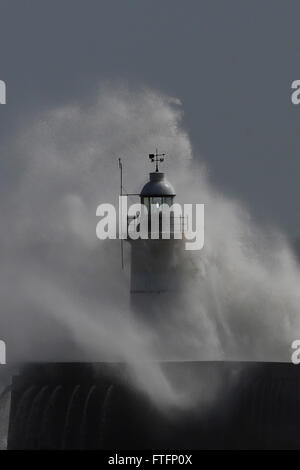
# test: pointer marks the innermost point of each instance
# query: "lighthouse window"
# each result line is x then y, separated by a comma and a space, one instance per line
157, 201
146, 202
168, 200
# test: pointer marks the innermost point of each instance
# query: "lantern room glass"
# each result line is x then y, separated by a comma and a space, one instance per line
157, 201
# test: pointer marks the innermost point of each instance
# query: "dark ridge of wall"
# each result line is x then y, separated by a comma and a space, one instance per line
93, 406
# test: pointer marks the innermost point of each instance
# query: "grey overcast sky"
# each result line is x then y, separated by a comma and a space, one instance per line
230, 62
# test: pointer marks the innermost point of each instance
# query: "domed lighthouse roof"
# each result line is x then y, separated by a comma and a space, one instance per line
158, 185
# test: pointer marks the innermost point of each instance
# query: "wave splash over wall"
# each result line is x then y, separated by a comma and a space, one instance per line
65, 297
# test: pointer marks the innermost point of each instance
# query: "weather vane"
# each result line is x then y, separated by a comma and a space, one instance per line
157, 157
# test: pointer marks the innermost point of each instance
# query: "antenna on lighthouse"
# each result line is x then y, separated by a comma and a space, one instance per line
157, 158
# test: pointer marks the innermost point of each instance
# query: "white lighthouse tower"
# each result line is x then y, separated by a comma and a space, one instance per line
156, 262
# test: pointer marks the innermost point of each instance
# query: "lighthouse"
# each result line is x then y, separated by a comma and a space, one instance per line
94, 405
156, 261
